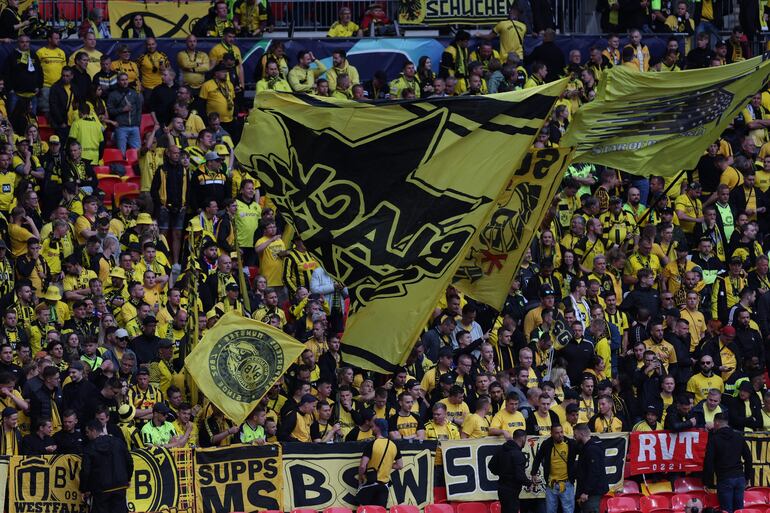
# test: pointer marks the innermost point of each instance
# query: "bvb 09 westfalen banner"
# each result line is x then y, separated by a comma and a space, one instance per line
318, 476
459, 12
468, 478
166, 19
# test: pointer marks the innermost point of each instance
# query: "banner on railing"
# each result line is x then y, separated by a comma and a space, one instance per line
238, 478
163, 480
663, 451
759, 443
167, 19
445, 12
468, 478
318, 476
45, 483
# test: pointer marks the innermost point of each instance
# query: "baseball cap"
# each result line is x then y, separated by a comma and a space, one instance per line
121, 333
54, 139
150, 319
307, 398
212, 155
728, 330
8, 411
77, 365
411, 383
160, 408
143, 371
736, 260
447, 379
165, 344
232, 286
694, 185
546, 290
651, 409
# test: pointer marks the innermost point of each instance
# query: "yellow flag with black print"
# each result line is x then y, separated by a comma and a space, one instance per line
493, 260
238, 361
661, 123
389, 195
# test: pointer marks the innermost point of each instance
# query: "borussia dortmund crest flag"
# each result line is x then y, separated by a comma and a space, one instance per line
660, 123
388, 196
238, 361
490, 265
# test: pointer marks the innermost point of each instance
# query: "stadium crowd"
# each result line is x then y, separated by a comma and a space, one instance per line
642, 303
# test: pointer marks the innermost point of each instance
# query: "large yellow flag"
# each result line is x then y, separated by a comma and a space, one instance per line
238, 361
490, 265
388, 196
660, 123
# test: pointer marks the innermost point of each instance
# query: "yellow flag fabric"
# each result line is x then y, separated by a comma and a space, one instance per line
490, 265
660, 123
389, 195
238, 361
166, 19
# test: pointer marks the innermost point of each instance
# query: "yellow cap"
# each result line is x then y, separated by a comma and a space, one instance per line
118, 272
144, 218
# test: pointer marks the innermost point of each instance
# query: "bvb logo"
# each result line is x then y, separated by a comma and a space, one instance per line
504, 231
244, 363
155, 485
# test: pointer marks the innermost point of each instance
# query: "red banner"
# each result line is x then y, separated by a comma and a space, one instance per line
664, 451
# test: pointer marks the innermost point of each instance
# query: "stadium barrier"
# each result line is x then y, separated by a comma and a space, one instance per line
288, 476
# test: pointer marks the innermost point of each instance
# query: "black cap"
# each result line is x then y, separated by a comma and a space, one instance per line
720, 42
546, 290
446, 379
307, 398
165, 344
219, 67
8, 411
667, 210
651, 409
160, 408
745, 386
143, 371
150, 319
232, 286
411, 383
736, 260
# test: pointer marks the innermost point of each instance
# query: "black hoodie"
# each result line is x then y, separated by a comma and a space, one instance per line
107, 465
724, 452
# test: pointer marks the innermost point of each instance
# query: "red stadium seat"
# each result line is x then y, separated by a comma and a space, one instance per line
107, 184
710, 500
102, 170
406, 508
42, 121
439, 492
337, 509
146, 124
118, 198
621, 504
636, 496
687, 484
371, 509
132, 156
136, 180
653, 502
630, 486
493, 508
439, 508
750, 510
304, 510
113, 156
472, 507
755, 498
678, 501
663, 510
